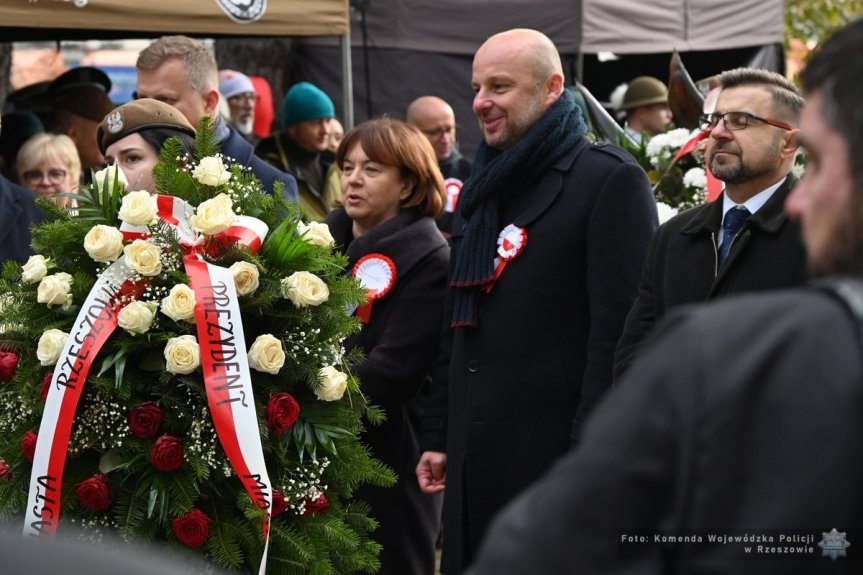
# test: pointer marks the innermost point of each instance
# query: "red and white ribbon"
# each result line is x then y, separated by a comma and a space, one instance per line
453, 188
94, 324
228, 382
377, 274
223, 358
510, 244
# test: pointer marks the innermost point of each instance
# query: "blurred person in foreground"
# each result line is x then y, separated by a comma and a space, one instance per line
132, 136
548, 240
743, 241
181, 71
392, 191
741, 417
48, 165
436, 119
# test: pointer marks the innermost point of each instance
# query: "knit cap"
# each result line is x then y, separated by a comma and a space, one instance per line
233, 83
305, 102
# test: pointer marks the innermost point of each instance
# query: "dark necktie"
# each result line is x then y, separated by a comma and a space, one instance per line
730, 226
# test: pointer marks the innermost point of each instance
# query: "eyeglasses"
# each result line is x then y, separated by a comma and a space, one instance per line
736, 121
438, 132
54, 176
245, 97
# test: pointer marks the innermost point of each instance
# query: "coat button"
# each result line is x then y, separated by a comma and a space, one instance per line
473, 366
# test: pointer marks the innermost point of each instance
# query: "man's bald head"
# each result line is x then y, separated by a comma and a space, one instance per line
533, 49
436, 119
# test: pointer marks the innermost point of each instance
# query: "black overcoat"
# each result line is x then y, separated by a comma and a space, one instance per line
400, 343
515, 391
682, 264
742, 417
18, 212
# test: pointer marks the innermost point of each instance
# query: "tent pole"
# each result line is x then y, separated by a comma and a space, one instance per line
347, 80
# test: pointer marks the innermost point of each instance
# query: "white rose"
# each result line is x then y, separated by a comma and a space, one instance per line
316, 233
137, 317
245, 277
180, 303
138, 208
50, 345
34, 270
182, 354
144, 257
266, 354
333, 384
112, 173
214, 215
104, 243
55, 290
304, 288
210, 171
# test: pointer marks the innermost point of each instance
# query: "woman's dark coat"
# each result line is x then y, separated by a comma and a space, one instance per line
400, 343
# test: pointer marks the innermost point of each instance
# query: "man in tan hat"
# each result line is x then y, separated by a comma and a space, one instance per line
646, 107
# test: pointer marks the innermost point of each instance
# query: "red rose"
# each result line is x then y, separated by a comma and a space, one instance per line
6, 474
282, 412
280, 504
28, 445
145, 419
192, 528
95, 492
8, 365
46, 385
317, 506
167, 453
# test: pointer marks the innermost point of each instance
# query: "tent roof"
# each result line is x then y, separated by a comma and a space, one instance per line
49, 19
575, 26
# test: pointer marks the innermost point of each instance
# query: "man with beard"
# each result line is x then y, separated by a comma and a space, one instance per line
548, 241
742, 241
239, 92
743, 418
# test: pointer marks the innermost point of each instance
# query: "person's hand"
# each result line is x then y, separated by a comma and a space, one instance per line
431, 472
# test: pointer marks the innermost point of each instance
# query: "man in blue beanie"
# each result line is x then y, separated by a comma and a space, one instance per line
301, 148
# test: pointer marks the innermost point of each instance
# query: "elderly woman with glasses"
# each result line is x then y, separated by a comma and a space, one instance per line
48, 164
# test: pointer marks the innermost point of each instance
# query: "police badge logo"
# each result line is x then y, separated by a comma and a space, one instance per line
833, 544
114, 122
243, 11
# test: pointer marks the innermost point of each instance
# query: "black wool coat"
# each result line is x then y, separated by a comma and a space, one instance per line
400, 343
741, 417
18, 212
509, 396
681, 266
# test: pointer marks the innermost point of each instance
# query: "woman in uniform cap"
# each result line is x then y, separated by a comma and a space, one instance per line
132, 135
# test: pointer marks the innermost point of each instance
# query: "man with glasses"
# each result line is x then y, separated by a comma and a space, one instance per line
239, 92
742, 241
436, 119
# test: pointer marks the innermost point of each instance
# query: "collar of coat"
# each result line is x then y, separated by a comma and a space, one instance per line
770, 218
406, 239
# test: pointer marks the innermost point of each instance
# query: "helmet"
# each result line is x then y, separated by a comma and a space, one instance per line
644, 91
